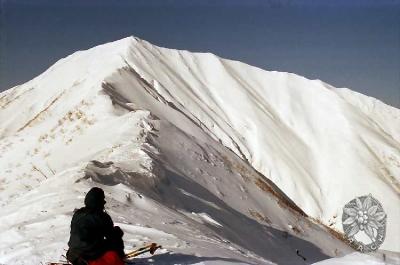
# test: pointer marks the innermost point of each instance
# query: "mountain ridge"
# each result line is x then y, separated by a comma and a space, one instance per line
124, 102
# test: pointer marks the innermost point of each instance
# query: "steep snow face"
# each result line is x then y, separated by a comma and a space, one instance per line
322, 146
186, 146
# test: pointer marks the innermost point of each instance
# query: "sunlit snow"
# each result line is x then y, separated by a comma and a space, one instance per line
218, 161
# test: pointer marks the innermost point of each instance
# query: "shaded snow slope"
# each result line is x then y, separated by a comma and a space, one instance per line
216, 160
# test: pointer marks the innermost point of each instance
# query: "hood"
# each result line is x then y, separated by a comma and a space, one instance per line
95, 199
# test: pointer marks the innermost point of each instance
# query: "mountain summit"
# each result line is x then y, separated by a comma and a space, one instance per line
217, 160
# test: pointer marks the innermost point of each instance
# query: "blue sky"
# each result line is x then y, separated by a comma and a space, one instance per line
346, 43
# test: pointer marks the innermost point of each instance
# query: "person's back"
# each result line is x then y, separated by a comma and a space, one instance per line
93, 232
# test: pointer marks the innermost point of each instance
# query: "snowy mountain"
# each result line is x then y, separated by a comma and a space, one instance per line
218, 161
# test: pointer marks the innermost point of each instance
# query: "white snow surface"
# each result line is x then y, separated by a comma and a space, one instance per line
218, 161
357, 258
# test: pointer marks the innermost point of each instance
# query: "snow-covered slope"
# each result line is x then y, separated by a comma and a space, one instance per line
217, 160
360, 259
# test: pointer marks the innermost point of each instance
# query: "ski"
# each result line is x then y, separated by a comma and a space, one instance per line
147, 248
151, 248
139, 249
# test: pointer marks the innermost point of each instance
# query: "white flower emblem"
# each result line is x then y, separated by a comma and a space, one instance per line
364, 214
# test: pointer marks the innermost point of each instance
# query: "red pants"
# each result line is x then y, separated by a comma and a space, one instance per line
109, 258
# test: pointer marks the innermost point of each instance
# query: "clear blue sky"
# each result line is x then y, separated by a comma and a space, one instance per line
346, 43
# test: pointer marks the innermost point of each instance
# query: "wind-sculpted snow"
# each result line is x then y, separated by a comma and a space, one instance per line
218, 161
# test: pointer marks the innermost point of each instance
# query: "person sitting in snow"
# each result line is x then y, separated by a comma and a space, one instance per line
94, 239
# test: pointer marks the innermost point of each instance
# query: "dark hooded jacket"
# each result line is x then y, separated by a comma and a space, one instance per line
92, 230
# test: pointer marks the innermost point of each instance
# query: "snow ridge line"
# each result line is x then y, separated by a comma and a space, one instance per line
156, 95
116, 98
262, 182
267, 185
